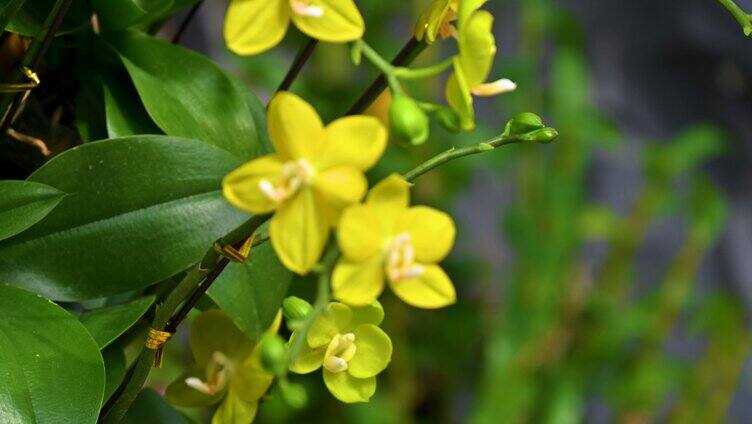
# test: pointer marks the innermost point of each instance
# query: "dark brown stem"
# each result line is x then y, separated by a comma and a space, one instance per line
187, 21
297, 65
408, 53
10, 103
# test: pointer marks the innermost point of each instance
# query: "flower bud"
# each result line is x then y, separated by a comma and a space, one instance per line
523, 123
448, 120
543, 135
293, 394
407, 120
295, 308
273, 354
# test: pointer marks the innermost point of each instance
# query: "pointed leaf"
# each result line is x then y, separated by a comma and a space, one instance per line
107, 324
23, 204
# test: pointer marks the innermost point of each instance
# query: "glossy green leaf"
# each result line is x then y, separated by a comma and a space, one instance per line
142, 209
150, 408
203, 104
114, 369
90, 118
258, 112
23, 203
124, 113
252, 293
50, 367
107, 324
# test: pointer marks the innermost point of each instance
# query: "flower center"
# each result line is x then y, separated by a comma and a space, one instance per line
339, 352
293, 176
400, 259
218, 371
305, 8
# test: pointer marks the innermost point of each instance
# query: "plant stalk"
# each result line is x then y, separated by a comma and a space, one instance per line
297, 65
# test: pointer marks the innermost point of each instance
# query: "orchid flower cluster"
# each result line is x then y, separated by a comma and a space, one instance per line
314, 184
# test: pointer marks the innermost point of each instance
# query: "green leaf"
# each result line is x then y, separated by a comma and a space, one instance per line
150, 408
50, 366
252, 293
117, 15
107, 324
114, 369
141, 210
90, 118
202, 104
30, 18
23, 204
125, 114
258, 112
9, 10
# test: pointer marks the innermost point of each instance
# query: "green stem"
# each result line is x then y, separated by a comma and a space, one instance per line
385, 67
189, 290
744, 19
322, 299
455, 153
426, 72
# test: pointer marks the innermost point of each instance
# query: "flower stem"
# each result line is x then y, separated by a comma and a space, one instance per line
187, 21
386, 68
9, 103
166, 319
297, 65
427, 72
408, 53
744, 19
322, 299
455, 153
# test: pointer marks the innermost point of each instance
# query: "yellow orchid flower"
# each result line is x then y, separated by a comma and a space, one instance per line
477, 49
350, 348
384, 239
228, 370
437, 21
254, 26
315, 173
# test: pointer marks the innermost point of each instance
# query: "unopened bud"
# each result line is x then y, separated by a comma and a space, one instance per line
407, 120
523, 123
293, 394
543, 135
295, 308
448, 119
273, 354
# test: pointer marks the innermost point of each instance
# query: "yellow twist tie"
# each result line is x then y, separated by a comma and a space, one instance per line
21, 86
156, 342
236, 255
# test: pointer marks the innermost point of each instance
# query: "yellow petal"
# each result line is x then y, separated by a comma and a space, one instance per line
339, 187
354, 140
335, 21
431, 290
358, 283
252, 26
431, 232
241, 186
390, 197
477, 48
299, 232
333, 321
466, 10
349, 389
361, 232
235, 410
430, 21
294, 127
250, 380
460, 98
309, 359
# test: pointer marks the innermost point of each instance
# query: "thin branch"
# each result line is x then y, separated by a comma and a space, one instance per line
187, 21
408, 53
297, 65
10, 103
742, 17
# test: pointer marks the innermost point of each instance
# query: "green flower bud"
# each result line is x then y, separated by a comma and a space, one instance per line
295, 308
448, 120
273, 354
407, 120
293, 394
543, 135
523, 123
